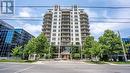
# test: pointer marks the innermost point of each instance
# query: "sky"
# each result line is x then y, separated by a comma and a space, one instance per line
96, 29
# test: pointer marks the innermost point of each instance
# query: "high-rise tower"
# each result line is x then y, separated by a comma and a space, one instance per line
65, 27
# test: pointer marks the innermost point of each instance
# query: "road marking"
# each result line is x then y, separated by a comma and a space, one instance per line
24, 69
5, 68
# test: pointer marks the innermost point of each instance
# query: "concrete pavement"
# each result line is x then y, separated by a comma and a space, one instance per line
62, 67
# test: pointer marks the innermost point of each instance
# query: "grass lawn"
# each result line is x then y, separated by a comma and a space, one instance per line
19, 61
96, 62
128, 62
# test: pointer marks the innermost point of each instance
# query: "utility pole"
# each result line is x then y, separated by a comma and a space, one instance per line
49, 52
59, 51
122, 46
81, 53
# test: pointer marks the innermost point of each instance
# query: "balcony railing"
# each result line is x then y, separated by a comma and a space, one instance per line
65, 24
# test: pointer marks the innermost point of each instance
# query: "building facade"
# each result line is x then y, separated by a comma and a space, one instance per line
10, 38
64, 27
24, 36
127, 41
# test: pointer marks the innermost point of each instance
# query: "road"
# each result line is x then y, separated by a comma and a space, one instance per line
62, 67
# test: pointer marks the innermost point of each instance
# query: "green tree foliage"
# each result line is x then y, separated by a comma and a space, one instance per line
39, 46
75, 52
16, 52
42, 45
111, 43
30, 47
91, 48
87, 45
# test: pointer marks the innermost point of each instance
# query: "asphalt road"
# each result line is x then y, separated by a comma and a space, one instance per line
62, 67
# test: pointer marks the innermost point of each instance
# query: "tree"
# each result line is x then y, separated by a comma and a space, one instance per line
42, 45
16, 52
95, 51
91, 48
111, 43
75, 52
87, 45
30, 47
39, 46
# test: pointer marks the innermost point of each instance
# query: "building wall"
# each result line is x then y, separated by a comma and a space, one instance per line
127, 41
10, 38
65, 26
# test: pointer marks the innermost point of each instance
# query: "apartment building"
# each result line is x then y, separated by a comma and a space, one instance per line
64, 27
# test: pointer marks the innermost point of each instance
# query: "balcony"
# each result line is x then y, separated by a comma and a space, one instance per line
65, 13
47, 27
83, 14
48, 13
48, 17
65, 44
46, 22
65, 20
83, 35
63, 31
62, 27
83, 20
48, 36
65, 40
83, 17
46, 30
65, 24
65, 35
84, 24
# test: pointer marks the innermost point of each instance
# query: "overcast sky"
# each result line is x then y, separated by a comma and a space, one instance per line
96, 29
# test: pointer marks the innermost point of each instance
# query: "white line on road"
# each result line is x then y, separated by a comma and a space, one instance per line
5, 68
24, 69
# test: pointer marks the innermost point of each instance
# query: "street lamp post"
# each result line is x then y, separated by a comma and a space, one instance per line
122, 47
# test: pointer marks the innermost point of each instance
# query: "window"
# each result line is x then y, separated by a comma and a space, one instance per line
76, 23
75, 16
77, 39
76, 26
75, 9
54, 30
77, 43
75, 12
55, 15
54, 34
53, 43
76, 19
55, 19
77, 34
53, 39
76, 30
55, 23
54, 26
